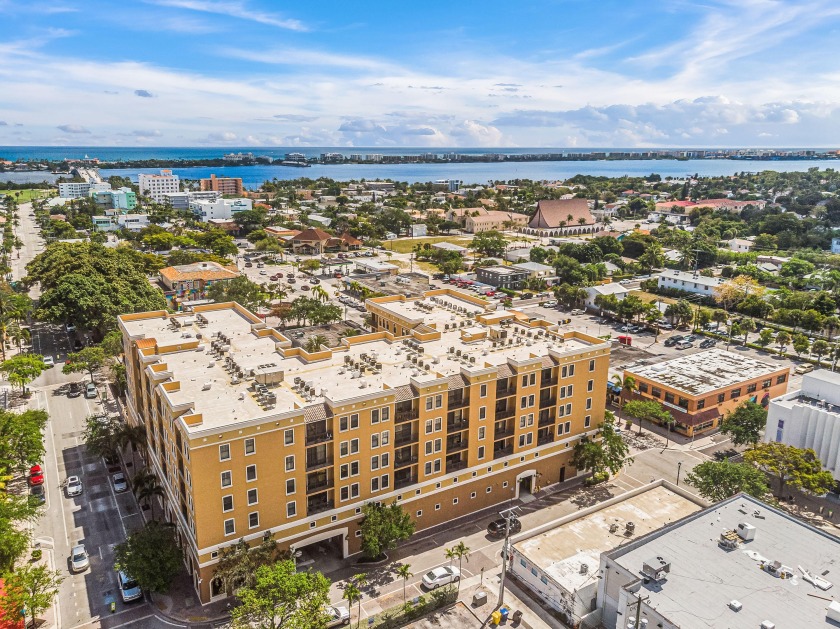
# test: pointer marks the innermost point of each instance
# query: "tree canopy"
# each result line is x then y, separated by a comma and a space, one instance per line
718, 480
791, 467
745, 424
151, 556
240, 289
383, 527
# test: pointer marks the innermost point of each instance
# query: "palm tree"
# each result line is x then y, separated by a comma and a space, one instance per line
134, 436
449, 553
351, 595
315, 342
18, 335
404, 572
148, 491
320, 294
461, 551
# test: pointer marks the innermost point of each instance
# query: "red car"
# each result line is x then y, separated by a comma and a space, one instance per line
36, 475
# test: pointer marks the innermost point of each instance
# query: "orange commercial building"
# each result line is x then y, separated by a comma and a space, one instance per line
700, 389
222, 185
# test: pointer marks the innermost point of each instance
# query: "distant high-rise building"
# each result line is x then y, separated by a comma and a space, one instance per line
222, 185
156, 186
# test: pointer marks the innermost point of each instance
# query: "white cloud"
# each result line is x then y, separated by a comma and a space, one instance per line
72, 128
237, 10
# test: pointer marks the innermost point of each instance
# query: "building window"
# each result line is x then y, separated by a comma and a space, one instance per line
374, 416
354, 421
291, 509
230, 527
290, 486
385, 481
344, 448
482, 412
588, 403
482, 390
227, 503
290, 465
374, 484
354, 446
766, 384
250, 447
480, 452
224, 452
568, 427
481, 432
289, 436
344, 471
385, 459
752, 387
354, 490
721, 397
227, 479
669, 397
253, 520
735, 393
701, 404
374, 440
252, 497
643, 388
587, 421
454, 501
419, 513
251, 473
590, 385
781, 379
488, 490
374, 462
386, 413
560, 430
526, 440
591, 365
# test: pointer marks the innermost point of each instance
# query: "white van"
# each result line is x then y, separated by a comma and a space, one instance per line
684, 344
129, 589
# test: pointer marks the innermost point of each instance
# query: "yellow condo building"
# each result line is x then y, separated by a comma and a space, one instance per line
447, 407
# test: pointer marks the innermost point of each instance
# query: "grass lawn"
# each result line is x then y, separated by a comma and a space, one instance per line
25, 196
406, 245
652, 298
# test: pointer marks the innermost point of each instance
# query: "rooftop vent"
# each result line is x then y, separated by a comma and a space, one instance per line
767, 624
656, 569
629, 528
206, 386
735, 606
746, 531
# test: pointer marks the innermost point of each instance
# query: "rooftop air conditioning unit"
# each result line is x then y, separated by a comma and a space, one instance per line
746, 531
735, 606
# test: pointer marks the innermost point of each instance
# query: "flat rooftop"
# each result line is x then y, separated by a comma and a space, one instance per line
435, 311
562, 551
704, 578
209, 387
704, 372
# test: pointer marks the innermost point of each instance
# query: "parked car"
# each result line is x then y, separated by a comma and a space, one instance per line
337, 615
666, 326
443, 575
498, 528
120, 482
292, 280
578, 311
304, 287
74, 390
297, 334
707, 343
673, 340
38, 493
79, 559
804, 368
49, 362
684, 344
90, 390
314, 280
690, 338
129, 589
36, 475
74, 486
263, 272
550, 304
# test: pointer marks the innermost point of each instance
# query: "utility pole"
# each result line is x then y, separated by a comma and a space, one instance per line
509, 516
638, 619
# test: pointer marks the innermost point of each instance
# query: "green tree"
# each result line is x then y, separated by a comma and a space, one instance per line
782, 340
352, 594
241, 290
800, 344
102, 436
281, 597
23, 369
820, 348
679, 312
460, 551
608, 452
310, 265
17, 513
490, 243
647, 410
151, 556
31, 588
112, 344
146, 487
22, 438
404, 572
791, 467
383, 527
765, 337
238, 563
314, 343
86, 360
747, 326
718, 480
745, 424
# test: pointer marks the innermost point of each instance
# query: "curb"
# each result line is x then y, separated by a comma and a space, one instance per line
157, 611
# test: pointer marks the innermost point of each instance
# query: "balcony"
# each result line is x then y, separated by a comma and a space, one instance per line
548, 382
399, 483
544, 439
458, 403
505, 391
315, 438
404, 439
505, 413
456, 446
405, 416
546, 402
458, 425
501, 434
502, 452
546, 419
316, 463
321, 484
454, 466
404, 461
319, 506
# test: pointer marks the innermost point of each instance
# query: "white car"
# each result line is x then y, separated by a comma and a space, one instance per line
120, 483
79, 560
49, 362
549, 304
74, 486
444, 575
336, 615
129, 589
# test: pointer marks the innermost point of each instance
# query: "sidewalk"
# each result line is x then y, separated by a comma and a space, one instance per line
181, 604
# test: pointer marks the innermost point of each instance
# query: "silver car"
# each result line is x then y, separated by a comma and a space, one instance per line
444, 575
74, 486
120, 483
79, 559
337, 615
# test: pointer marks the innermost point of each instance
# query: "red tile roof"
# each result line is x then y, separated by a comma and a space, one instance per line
313, 234
551, 212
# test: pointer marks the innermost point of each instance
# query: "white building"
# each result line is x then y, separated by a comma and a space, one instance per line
181, 200
689, 282
220, 208
113, 222
613, 288
740, 245
79, 189
835, 245
535, 269
156, 186
809, 418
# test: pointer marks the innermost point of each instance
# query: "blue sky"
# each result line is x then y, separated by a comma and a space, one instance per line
556, 73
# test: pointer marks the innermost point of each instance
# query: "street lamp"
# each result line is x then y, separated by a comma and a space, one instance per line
679, 468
